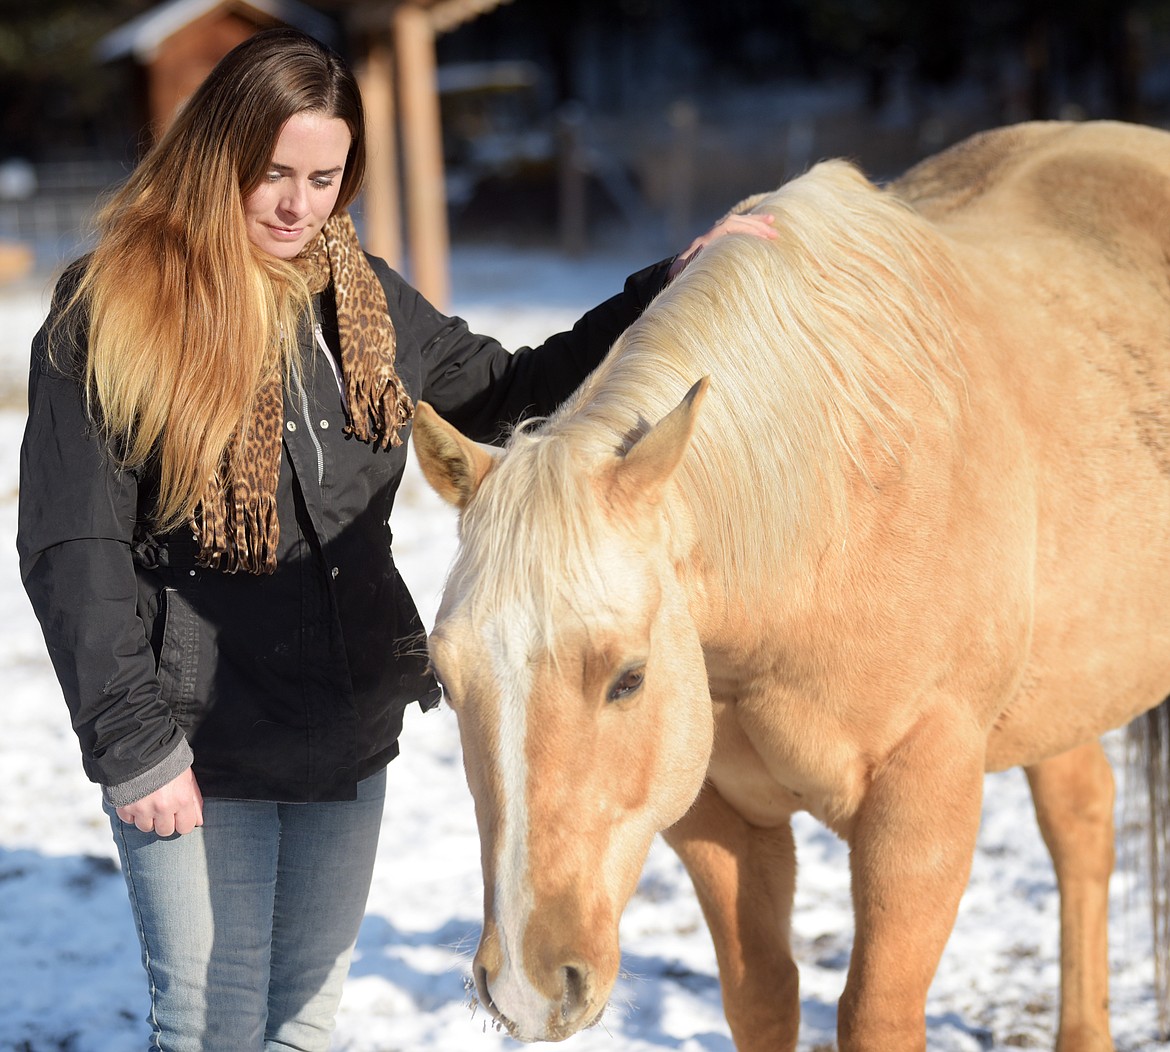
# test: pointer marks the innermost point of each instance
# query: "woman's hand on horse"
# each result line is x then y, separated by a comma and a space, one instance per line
758, 224
177, 807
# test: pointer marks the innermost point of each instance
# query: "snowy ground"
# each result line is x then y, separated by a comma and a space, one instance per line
69, 974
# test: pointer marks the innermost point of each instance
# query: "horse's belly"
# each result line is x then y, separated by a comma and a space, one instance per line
1093, 425
1099, 652
1060, 708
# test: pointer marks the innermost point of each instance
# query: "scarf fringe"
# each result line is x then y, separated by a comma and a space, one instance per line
251, 524
378, 415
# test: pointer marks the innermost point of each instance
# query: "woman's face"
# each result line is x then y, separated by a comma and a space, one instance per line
297, 194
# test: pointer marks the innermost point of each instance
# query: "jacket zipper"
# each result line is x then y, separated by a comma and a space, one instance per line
304, 400
320, 337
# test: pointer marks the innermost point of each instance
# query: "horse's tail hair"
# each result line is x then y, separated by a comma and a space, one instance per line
1149, 762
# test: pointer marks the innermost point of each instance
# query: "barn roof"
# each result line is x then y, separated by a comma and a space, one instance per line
449, 14
142, 36
445, 14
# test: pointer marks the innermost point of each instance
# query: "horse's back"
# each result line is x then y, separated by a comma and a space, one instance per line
1102, 185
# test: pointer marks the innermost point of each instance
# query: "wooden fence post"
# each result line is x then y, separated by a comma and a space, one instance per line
383, 210
426, 197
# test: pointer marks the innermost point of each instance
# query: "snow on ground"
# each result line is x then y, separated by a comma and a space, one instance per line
69, 974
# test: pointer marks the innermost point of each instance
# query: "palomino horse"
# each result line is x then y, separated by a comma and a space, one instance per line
844, 520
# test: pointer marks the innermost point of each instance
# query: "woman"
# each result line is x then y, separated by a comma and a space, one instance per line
218, 403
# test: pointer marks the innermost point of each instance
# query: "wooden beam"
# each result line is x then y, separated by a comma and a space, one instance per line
381, 196
426, 196
450, 14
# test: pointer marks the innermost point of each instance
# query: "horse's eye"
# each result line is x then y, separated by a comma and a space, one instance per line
628, 683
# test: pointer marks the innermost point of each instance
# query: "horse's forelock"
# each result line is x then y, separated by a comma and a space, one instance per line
526, 539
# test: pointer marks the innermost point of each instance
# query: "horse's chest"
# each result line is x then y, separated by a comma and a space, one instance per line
769, 767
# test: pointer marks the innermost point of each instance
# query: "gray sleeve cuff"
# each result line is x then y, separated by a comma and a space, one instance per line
146, 783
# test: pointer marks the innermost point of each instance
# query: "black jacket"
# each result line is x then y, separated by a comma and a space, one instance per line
284, 687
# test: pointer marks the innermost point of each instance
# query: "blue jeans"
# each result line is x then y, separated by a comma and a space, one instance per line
247, 924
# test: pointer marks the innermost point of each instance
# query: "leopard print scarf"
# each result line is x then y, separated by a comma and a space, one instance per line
235, 524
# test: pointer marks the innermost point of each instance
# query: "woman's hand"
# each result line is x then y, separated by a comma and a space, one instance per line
758, 224
175, 808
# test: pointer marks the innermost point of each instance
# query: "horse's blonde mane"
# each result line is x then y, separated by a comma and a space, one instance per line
809, 339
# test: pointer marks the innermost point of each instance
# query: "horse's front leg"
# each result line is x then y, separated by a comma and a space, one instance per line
1073, 794
911, 845
744, 878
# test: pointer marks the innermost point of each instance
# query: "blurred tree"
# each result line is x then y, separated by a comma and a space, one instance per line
753, 40
1077, 56
57, 100
1067, 53
1036, 58
923, 38
569, 39
1080, 57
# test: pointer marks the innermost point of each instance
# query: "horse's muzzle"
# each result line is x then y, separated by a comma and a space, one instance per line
574, 1011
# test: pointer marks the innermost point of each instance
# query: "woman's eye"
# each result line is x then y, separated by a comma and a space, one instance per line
322, 184
628, 683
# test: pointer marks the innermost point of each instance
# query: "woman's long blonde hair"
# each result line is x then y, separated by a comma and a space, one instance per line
185, 316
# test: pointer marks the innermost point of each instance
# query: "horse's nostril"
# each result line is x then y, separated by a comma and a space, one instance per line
481, 986
573, 1000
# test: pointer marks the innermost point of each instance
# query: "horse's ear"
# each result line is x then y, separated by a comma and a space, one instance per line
453, 464
652, 460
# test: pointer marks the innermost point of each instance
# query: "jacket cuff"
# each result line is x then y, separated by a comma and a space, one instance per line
126, 793
645, 284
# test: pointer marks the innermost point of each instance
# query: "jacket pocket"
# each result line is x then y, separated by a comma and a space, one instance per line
178, 657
